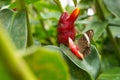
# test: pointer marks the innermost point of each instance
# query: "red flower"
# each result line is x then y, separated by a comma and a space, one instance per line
66, 27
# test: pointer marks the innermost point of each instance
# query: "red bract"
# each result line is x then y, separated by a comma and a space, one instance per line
74, 49
66, 27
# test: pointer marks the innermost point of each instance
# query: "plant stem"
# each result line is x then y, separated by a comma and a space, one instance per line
111, 24
42, 24
99, 10
12, 61
21, 6
29, 37
117, 51
59, 5
100, 13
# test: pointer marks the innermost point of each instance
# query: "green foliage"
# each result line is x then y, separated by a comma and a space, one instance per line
75, 2
41, 61
112, 74
6, 17
47, 64
4, 3
115, 29
16, 25
113, 6
88, 67
4, 75
13, 63
98, 28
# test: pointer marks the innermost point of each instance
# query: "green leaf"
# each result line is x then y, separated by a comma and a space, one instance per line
115, 26
16, 25
4, 75
18, 30
85, 4
4, 2
109, 60
30, 1
112, 74
6, 17
47, 64
13, 5
86, 69
116, 34
99, 10
98, 27
41, 5
86, 1
13, 62
115, 22
113, 6
115, 31
75, 2
50, 15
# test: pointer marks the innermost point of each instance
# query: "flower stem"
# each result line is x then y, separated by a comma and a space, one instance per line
59, 5
99, 11
21, 6
42, 24
29, 37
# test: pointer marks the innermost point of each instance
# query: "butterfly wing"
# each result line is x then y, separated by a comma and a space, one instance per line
84, 42
90, 34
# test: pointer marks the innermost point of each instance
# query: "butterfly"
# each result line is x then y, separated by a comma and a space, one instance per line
82, 46
84, 42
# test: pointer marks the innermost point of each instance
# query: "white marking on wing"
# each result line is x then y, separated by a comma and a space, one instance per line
87, 38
